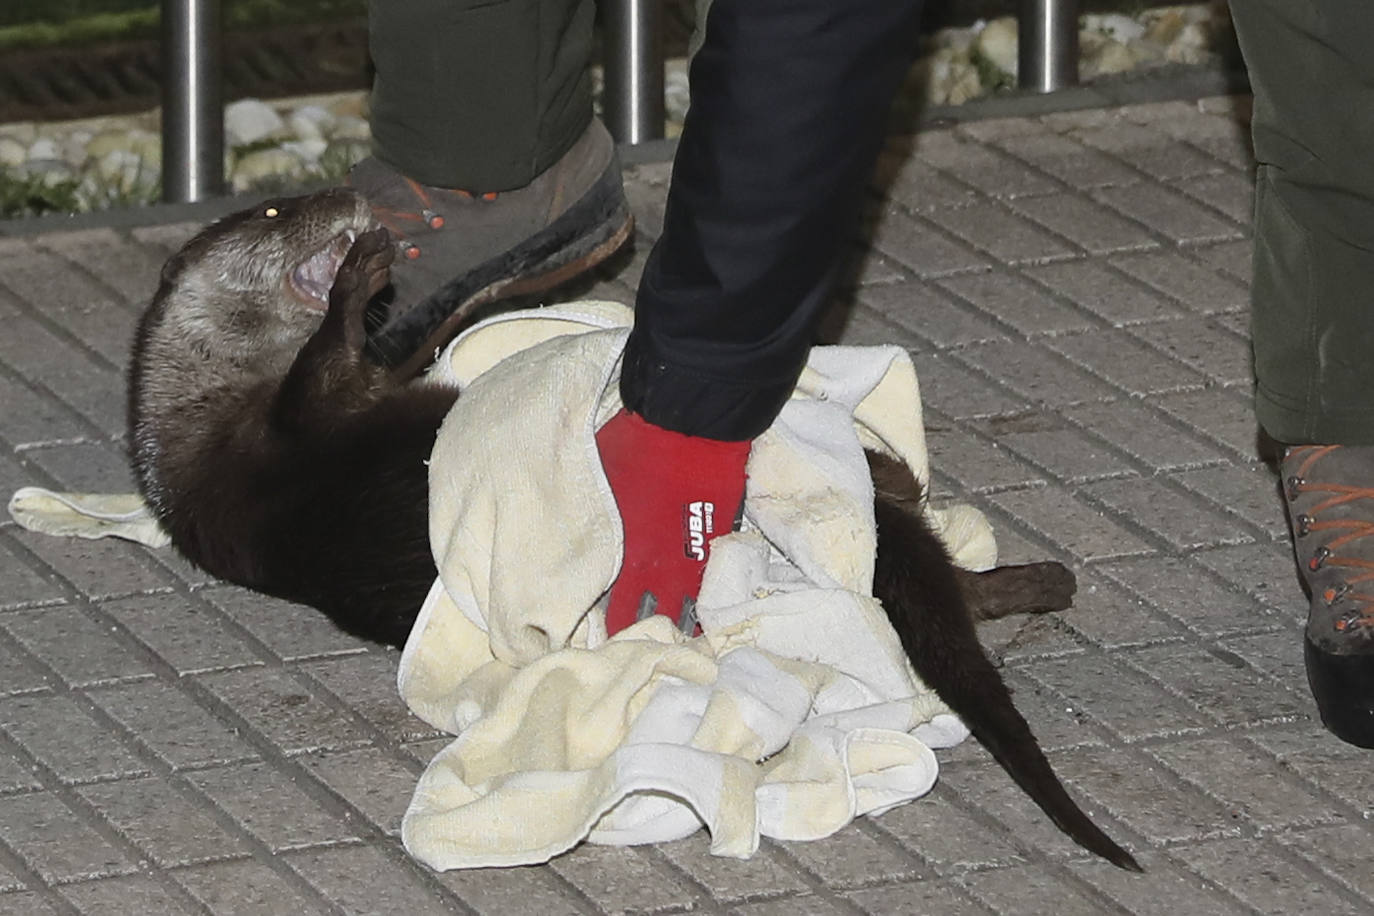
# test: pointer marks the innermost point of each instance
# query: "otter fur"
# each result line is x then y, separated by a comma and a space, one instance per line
278, 457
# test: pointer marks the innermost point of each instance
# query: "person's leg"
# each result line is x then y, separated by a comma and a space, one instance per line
790, 99
789, 104
1313, 320
487, 164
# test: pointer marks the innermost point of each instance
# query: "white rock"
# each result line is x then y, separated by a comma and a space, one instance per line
13, 154
1111, 57
309, 150
340, 155
1191, 45
125, 170
74, 147
50, 171
997, 43
351, 127
1116, 26
250, 120
44, 148
266, 163
676, 95
23, 131
964, 83
311, 122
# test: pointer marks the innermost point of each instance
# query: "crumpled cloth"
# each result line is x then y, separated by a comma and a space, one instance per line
793, 713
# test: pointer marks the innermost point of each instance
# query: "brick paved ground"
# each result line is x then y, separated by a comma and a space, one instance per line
1073, 287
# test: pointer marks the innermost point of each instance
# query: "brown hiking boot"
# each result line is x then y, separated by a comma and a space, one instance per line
459, 250
1329, 491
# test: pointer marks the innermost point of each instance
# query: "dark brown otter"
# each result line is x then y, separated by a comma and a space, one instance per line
278, 457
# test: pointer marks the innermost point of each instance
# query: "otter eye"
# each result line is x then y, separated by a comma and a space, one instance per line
270, 212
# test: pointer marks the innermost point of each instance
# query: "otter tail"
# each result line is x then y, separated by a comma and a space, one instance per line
916, 582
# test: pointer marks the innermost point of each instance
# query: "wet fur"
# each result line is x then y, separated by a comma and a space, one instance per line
284, 461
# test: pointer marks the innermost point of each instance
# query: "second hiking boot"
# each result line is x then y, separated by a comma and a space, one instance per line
460, 249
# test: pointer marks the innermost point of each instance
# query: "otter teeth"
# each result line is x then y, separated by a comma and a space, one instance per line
313, 277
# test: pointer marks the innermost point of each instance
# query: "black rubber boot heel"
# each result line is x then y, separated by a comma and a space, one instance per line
1343, 686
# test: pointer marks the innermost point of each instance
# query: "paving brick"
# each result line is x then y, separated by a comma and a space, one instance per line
862, 326
1275, 653
246, 888
184, 634
1036, 374
1151, 152
366, 682
348, 877
25, 904
945, 837
1143, 434
129, 267
976, 463
621, 879
1322, 759
1067, 452
1220, 686
378, 784
1073, 163
1101, 690
1183, 591
28, 417
729, 880
99, 569
1092, 286
289, 630
1225, 417
929, 314
1270, 883
1086, 223
805, 905
512, 891
1230, 192
81, 650
1142, 796
1178, 275
1024, 636
1264, 571
1005, 236
167, 826
1007, 297
1163, 890
1026, 891
70, 299
985, 786
1071, 525
135, 894
181, 733
978, 165
1176, 517
906, 180
271, 806
916, 897
1247, 490
853, 858
96, 392
1172, 215
1251, 785
1112, 617
84, 466
55, 842
919, 247
1218, 354
1340, 852
64, 737
23, 585
1232, 257
1113, 355
284, 710
954, 390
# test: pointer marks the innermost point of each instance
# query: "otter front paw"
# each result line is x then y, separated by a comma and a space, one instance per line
365, 270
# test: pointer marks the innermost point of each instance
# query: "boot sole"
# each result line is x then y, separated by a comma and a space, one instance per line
1343, 686
566, 248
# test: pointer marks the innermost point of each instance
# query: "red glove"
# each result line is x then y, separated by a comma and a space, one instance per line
675, 493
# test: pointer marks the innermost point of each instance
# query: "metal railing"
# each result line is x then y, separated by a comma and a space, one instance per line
632, 100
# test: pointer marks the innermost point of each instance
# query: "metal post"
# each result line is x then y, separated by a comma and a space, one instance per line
632, 101
192, 101
1047, 49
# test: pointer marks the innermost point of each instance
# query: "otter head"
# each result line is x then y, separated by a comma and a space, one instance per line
256, 284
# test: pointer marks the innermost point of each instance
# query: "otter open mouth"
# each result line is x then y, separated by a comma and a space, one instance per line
312, 278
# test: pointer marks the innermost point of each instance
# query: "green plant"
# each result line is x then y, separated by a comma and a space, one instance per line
32, 195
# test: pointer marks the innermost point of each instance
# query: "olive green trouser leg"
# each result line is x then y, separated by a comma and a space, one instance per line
1311, 64
479, 94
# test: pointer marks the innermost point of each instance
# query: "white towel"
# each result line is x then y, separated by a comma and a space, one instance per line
794, 713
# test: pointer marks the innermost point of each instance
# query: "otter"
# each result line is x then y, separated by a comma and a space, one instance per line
278, 456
